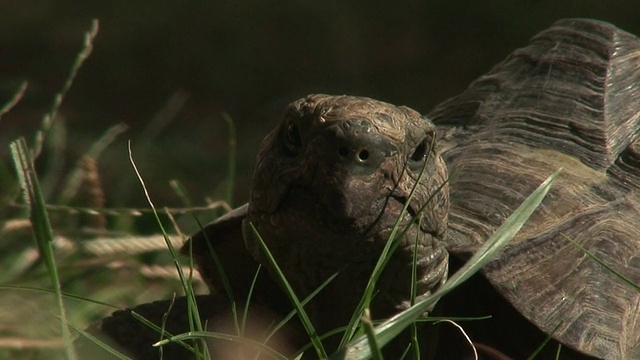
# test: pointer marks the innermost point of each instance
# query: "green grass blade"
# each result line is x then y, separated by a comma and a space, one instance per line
101, 344
549, 337
41, 228
376, 354
604, 265
162, 332
385, 255
358, 349
192, 308
304, 302
201, 335
64, 294
304, 318
47, 120
245, 314
414, 281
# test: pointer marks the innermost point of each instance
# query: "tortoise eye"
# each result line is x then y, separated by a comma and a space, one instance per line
419, 155
292, 138
419, 152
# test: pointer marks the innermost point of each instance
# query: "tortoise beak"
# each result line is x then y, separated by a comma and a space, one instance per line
403, 200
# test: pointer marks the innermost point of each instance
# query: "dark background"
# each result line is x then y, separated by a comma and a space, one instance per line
247, 58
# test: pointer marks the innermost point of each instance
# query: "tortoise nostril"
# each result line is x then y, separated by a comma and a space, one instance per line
363, 155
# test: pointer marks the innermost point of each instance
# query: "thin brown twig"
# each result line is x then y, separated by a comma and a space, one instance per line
127, 211
25, 343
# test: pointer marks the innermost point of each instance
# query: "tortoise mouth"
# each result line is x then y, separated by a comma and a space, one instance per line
380, 217
346, 213
403, 200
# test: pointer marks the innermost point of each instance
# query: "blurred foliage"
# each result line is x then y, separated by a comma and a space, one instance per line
248, 58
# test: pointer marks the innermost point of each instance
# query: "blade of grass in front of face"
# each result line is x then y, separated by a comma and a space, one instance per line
502, 235
302, 314
388, 330
41, 228
385, 255
414, 281
324, 336
291, 314
192, 307
303, 303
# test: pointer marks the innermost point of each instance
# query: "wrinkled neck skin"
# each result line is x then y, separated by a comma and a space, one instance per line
320, 216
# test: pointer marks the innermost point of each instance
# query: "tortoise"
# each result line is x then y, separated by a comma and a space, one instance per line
333, 177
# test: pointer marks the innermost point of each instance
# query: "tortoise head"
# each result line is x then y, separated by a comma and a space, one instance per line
334, 176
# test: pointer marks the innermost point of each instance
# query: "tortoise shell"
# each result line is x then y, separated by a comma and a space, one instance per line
570, 100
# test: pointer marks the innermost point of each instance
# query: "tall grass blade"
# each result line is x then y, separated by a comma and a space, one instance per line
160, 329
376, 354
143, 144
304, 318
192, 308
41, 228
538, 350
101, 344
358, 349
304, 302
604, 265
49, 291
414, 281
385, 255
47, 120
